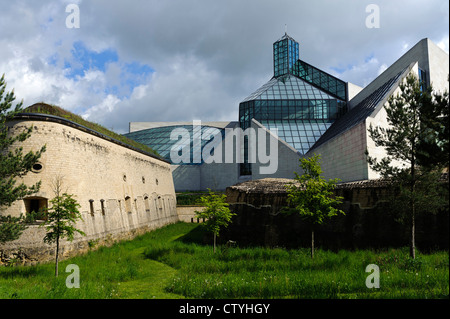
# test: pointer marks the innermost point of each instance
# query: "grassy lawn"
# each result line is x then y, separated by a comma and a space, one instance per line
171, 263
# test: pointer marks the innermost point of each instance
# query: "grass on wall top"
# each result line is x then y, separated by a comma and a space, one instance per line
43, 108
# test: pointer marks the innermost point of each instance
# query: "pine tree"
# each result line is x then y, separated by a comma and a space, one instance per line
415, 137
13, 164
433, 150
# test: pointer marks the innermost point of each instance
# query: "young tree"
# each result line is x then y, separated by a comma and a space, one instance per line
61, 217
13, 164
216, 213
312, 196
415, 137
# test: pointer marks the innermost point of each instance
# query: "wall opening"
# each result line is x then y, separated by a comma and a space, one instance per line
35, 207
37, 167
102, 204
91, 206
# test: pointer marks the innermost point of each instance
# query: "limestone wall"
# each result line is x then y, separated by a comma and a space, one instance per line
187, 213
122, 191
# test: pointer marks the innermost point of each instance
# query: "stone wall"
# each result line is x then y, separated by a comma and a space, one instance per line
187, 213
369, 222
122, 191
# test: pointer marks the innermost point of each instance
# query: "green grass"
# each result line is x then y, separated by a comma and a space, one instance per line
171, 262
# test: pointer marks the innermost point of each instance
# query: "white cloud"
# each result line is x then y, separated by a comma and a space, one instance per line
443, 44
187, 90
207, 55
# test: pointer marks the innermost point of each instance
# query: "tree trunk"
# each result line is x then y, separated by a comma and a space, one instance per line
57, 255
412, 248
412, 251
312, 243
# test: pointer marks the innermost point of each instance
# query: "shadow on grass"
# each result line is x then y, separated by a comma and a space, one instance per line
199, 235
23, 271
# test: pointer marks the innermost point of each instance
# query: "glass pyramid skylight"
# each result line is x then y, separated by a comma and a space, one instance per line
288, 87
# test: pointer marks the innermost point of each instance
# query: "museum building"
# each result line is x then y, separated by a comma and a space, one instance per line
303, 111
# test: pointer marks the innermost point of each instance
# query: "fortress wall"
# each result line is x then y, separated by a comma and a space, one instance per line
122, 192
369, 221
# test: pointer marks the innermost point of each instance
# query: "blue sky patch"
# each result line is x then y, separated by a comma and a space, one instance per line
341, 70
134, 74
82, 59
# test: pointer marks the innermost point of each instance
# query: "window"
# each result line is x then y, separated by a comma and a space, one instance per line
37, 167
35, 207
422, 80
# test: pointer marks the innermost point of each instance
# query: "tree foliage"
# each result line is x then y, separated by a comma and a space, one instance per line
13, 165
416, 145
216, 213
312, 196
61, 217
11, 228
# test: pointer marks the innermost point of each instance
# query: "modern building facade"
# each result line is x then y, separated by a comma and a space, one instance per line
300, 101
300, 111
344, 145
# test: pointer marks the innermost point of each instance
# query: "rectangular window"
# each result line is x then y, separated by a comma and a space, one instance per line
422, 80
36, 206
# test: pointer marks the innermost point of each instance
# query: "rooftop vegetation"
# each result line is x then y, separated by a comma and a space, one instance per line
43, 108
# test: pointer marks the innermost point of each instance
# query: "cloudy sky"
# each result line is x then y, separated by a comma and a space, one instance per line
180, 60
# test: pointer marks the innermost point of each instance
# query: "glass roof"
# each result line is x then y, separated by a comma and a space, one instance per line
159, 139
301, 135
288, 87
320, 79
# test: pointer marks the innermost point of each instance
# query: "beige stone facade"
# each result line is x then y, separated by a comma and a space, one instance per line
122, 191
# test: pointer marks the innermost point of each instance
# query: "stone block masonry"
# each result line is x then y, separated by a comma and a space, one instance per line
122, 191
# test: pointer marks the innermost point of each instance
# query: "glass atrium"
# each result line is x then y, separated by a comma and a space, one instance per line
300, 101
183, 139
